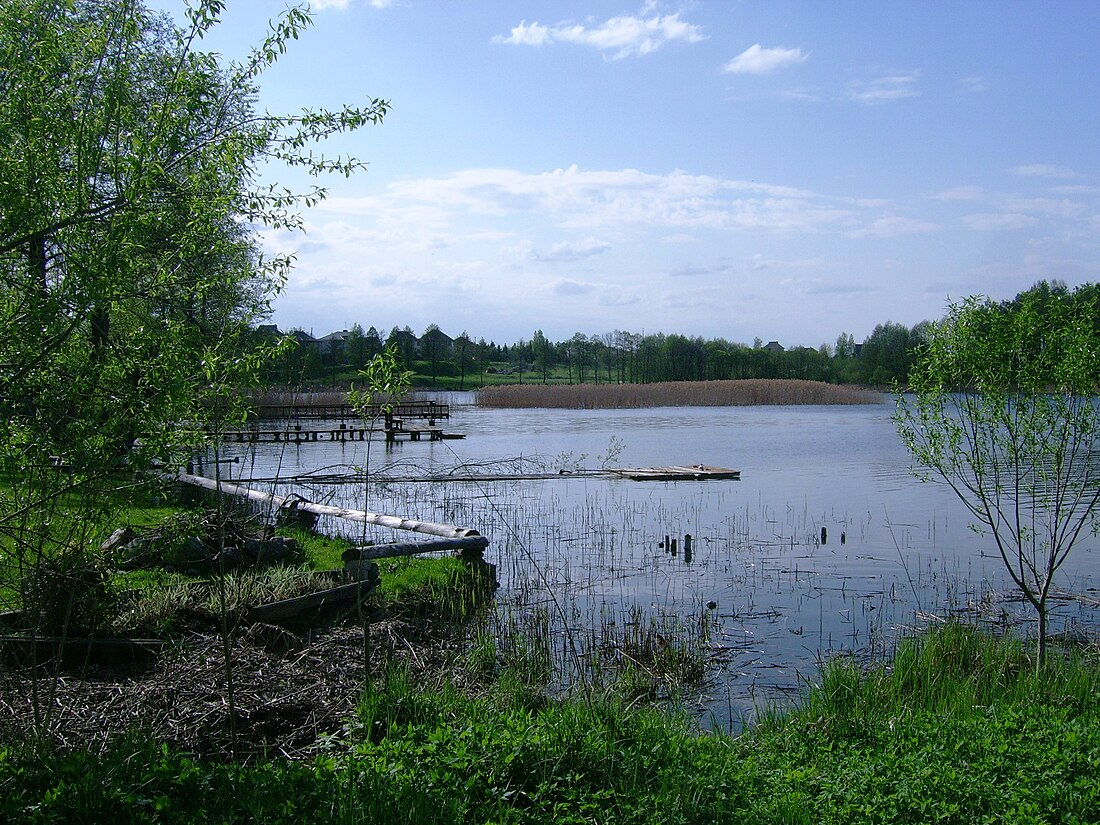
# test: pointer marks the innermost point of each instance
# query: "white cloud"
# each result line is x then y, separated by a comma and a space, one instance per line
579, 199
1063, 208
695, 270
758, 60
991, 221
1043, 170
801, 94
572, 250
321, 5
891, 226
896, 86
575, 247
567, 287
618, 37
972, 84
961, 193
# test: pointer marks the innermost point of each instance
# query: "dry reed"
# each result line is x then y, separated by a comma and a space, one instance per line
748, 392
287, 398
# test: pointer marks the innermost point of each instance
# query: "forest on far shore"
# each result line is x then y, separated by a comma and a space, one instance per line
439, 361
463, 363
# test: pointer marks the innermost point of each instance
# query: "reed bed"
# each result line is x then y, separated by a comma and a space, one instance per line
288, 398
742, 393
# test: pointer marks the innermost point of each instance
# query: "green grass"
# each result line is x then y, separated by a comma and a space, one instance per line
152, 600
445, 587
897, 744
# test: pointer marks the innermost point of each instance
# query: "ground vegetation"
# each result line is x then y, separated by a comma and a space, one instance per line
130, 275
956, 728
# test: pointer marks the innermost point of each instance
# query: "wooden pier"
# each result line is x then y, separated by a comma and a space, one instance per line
298, 434
430, 411
399, 421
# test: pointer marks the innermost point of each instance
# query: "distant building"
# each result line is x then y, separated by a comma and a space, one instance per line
773, 346
333, 342
303, 338
437, 341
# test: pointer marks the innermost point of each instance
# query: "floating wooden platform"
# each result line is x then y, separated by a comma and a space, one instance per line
692, 472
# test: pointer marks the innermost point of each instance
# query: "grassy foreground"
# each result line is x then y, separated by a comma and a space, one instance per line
958, 728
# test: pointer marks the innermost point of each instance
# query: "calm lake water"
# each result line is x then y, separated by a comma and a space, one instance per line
827, 543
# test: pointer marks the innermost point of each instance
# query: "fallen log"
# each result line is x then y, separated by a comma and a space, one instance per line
467, 544
448, 531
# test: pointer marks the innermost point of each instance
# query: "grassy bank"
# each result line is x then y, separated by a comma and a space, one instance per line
957, 728
675, 394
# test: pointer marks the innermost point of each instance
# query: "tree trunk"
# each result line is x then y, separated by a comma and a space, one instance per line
1041, 652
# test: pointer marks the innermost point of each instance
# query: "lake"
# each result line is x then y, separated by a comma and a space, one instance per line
827, 544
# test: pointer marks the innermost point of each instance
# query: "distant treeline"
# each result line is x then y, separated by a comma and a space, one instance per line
618, 357
611, 358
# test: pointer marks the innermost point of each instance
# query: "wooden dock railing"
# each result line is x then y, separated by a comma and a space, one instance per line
425, 410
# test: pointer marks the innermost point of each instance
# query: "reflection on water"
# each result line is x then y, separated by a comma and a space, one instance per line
826, 544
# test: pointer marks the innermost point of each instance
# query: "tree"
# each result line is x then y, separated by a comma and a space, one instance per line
372, 342
129, 270
577, 349
887, 354
542, 356
356, 344
463, 350
431, 343
845, 346
1003, 409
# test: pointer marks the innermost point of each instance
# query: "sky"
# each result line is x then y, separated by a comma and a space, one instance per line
744, 169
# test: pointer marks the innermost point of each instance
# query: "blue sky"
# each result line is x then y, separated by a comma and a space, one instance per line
743, 169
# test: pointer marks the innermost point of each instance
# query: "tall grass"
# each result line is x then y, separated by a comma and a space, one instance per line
749, 392
427, 753
284, 398
955, 671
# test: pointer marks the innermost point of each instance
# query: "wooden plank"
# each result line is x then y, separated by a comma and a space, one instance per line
289, 609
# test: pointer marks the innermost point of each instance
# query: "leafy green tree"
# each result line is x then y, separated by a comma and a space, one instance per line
464, 357
128, 268
129, 271
356, 344
1004, 410
373, 343
887, 354
542, 354
433, 345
